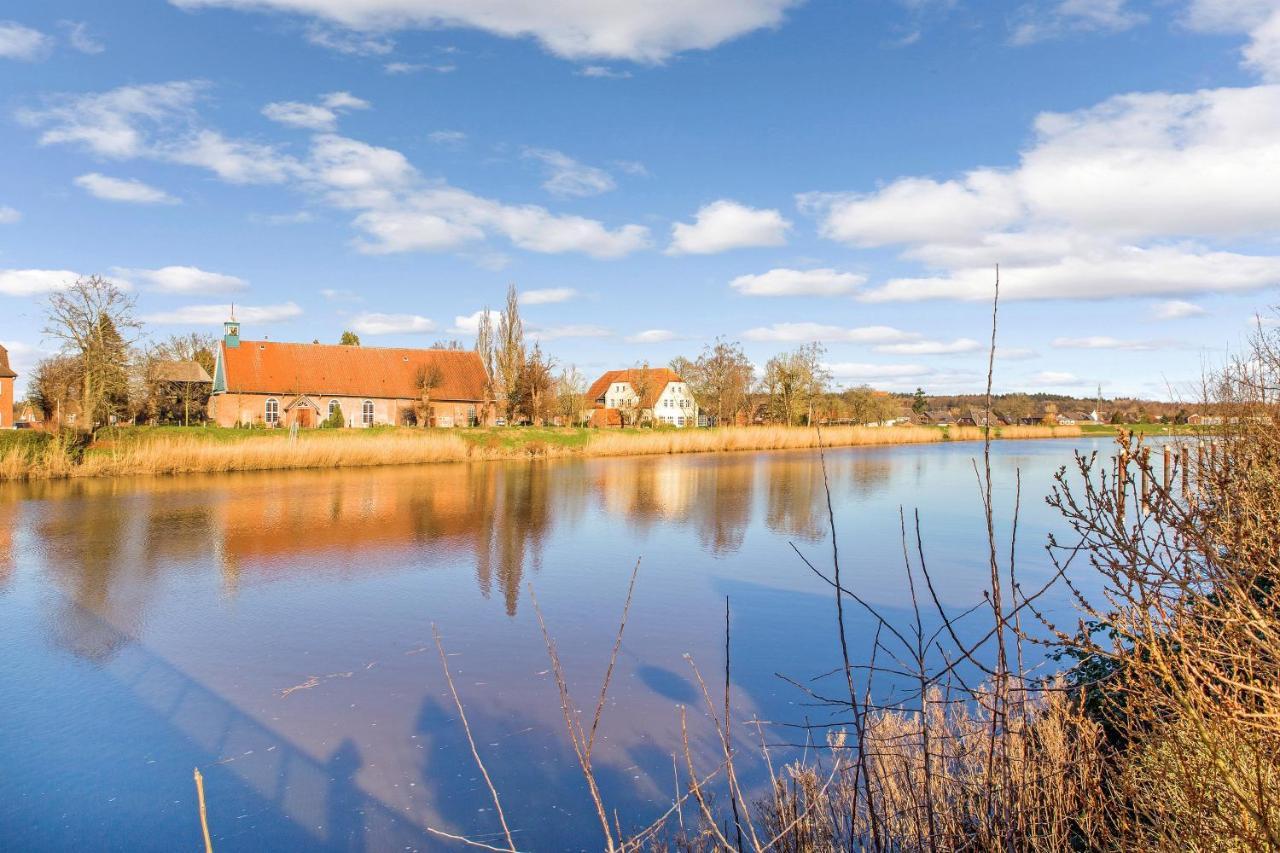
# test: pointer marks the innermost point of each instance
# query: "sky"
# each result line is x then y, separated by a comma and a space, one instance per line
652, 176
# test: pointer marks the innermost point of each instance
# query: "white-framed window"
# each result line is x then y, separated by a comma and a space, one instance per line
271, 414
333, 407
366, 413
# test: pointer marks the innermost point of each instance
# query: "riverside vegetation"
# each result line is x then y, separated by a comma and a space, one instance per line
1160, 732
178, 450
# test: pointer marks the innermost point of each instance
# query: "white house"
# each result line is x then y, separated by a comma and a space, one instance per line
630, 396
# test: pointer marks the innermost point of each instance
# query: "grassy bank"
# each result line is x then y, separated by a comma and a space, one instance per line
177, 450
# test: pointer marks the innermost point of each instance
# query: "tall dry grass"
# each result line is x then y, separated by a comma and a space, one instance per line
193, 454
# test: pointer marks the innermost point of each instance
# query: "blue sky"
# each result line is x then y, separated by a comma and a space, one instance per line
655, 175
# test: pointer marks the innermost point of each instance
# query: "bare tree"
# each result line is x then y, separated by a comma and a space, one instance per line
794, 380
91, 318
571, 390
535, 387
641, 380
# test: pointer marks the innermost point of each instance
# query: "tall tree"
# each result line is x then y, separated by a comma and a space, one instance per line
535, 387
485, 346
794, 380
919, 403
510, 352
54, 383
91, 318
571, 391
722, 380
349, 339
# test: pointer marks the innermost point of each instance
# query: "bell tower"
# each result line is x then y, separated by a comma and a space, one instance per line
231, 331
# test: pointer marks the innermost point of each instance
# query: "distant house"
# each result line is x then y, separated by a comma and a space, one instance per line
937, 417
7, 401
978, 417
640, 394
284, 384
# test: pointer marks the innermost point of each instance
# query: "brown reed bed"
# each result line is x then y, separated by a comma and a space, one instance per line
183, 454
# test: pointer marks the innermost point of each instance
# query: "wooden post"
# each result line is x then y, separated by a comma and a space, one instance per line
1186, 472
1122, 484
1144, 463
1167, 471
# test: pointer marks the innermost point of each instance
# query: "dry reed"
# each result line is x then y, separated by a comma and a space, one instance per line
193, 454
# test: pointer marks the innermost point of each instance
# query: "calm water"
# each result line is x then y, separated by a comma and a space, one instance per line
150, 627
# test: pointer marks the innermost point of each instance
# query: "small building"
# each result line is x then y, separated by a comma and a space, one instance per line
264, 383
7, 402
642, 394
937, 417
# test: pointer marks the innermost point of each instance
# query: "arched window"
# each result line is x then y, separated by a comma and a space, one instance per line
271, 415
366, 413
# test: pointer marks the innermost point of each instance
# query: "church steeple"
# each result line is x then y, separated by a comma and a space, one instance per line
231, 331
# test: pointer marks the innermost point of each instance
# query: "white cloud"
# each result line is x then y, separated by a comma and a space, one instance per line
602, 71
403, 67
184, 279
1176, 309
959, 345
1068, 16
321, 116
19, 42
1259, 19
233, 160
470, 324
397, 210
9, 215
1016, 353
391, 324
651, 336
349, 41
123, 189
643, 32
451, 138
1058, 378
789, 282
805, 332
567, 178
1127, 271
339, 295
157, 121
1143, 194
582, 330
865, 372
343, 101
726, 224
34, 282
913, 210
296, 218
547, 295
215, 315
1109, 343
295, 114
81, 39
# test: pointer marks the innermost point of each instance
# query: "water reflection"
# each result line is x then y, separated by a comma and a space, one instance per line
275, 629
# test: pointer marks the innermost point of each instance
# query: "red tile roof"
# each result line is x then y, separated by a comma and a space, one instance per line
267, 367
657, 379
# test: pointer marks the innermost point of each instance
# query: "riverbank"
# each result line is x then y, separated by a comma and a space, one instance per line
178, 450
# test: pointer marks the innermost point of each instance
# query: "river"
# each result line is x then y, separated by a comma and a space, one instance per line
275, 630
